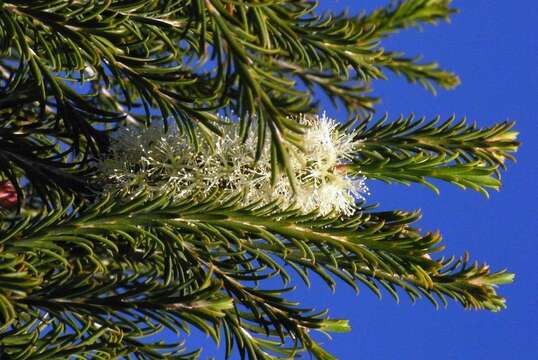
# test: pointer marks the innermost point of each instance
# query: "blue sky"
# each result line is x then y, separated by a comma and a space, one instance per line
493, 46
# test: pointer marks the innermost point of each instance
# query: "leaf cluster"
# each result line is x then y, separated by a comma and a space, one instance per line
413, 151
90, 66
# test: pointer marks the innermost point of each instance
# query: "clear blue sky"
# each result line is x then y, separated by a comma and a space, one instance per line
493, 46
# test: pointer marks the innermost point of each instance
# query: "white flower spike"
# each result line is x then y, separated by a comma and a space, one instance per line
165, 162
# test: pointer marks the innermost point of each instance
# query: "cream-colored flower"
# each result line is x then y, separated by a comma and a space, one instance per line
166, 162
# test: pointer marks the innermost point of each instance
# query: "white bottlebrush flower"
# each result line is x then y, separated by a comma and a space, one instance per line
166, 162
323, 184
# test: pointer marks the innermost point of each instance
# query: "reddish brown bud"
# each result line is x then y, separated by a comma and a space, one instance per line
341, 169
8, 195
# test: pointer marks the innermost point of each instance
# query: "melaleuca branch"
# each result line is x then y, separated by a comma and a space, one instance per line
247, 59
372, 248
162, 162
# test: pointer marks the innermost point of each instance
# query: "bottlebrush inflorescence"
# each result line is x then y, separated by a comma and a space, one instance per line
158, 161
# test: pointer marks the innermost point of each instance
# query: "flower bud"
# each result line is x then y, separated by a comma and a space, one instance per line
8, 195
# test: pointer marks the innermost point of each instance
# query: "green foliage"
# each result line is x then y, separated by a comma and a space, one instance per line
258, 52
135, 266
408, 150
90, 274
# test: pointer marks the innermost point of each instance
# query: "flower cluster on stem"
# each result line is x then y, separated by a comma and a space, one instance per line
158, 161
